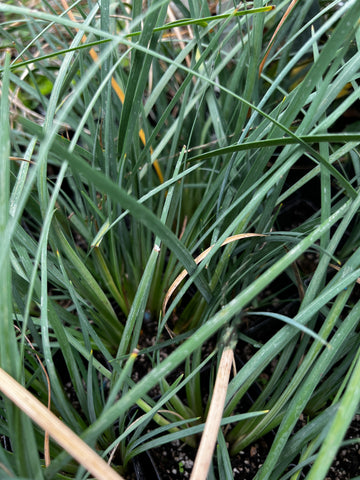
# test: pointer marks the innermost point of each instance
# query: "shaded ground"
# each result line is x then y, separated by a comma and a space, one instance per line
175, 461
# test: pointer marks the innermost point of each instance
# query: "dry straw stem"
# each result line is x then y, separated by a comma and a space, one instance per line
212, 425
198, 259
62, 434
269, 47
179, 35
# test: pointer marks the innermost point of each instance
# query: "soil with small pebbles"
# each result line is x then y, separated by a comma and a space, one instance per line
175, 461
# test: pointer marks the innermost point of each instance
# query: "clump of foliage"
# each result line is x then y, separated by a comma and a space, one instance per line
133, 138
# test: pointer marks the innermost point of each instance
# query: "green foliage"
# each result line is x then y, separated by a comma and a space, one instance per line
132, 150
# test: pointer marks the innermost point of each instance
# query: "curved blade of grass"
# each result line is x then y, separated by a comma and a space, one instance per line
274, 142
301, 141
292, 322
341, 152
204, 21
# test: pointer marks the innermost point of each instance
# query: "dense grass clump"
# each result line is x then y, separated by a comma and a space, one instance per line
179, 187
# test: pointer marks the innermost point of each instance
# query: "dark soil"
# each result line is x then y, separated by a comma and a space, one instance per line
346, 466
175, 461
